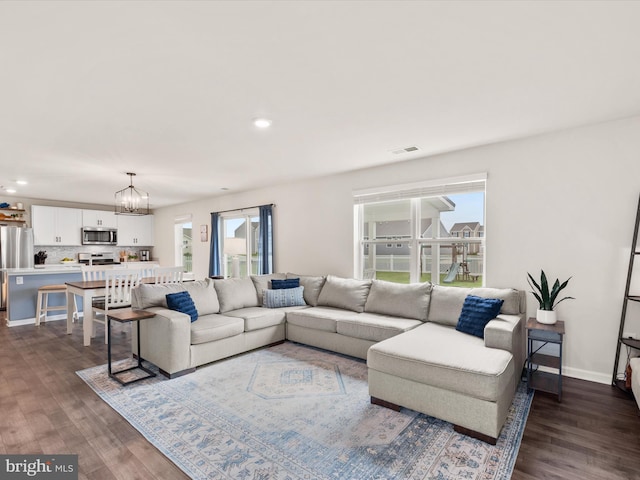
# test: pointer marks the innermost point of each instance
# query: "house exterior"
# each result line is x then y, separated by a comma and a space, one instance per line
469, 230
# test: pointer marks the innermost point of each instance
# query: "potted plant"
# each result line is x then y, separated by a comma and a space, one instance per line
547, 299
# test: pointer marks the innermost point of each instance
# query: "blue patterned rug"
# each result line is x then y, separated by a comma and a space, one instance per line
293, 412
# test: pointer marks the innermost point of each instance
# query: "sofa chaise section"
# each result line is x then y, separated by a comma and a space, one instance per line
437, 370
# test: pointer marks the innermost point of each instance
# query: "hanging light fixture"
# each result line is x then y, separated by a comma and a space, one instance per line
131, 201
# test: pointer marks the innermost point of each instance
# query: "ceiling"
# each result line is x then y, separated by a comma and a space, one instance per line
168, 90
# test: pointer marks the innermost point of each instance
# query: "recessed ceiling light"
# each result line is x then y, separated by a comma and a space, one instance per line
262, 122
10, 190
21, 182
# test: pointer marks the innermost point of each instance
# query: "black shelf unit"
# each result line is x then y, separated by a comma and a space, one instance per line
630, 343
541, 335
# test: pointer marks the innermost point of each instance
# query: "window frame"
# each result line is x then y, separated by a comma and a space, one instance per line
415, 192
247, 215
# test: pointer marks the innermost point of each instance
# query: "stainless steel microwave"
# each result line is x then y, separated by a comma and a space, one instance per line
99, 236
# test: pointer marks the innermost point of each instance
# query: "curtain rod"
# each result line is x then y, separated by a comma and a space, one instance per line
246, 208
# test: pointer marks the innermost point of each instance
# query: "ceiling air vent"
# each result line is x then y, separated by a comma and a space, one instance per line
400, 151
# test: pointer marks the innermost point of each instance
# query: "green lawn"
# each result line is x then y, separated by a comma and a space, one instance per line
403, 277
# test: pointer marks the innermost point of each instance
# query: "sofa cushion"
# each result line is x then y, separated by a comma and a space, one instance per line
204, 296
476, 313
400, 300
446, 304
347, 293
213, 327
511, 297
257, 318
235, 293
425, 355
319, 318
284, 297
183, 303
312, 287
263, 282
151, 295
374, 327
147, 295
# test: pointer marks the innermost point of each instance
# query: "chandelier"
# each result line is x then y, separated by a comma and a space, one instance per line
131, 201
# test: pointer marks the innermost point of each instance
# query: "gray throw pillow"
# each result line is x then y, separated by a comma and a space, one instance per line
399, 300
312, 287
347, 293
235, 293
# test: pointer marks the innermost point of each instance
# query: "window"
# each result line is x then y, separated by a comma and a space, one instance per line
240, 243
435, 224
183, 240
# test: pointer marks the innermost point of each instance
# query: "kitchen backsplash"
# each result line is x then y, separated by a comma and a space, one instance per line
56, 254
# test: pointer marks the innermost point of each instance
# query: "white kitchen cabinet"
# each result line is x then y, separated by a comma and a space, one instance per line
56, 225
135, 231
99, 219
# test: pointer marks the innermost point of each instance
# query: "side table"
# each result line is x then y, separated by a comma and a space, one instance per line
127, 315
546, 334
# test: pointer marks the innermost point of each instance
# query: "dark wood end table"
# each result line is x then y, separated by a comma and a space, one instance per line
127, 315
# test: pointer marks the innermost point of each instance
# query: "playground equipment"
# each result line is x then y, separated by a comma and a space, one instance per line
453, 272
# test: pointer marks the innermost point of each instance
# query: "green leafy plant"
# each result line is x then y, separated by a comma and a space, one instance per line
547, 299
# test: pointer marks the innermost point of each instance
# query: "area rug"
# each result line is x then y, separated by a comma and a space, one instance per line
294, 412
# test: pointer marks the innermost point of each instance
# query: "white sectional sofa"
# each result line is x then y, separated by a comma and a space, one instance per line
635, 378
407, 333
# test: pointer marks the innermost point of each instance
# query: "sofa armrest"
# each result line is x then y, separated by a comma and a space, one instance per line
165, 339
506, 332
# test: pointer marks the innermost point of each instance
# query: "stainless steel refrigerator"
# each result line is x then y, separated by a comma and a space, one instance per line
16, 251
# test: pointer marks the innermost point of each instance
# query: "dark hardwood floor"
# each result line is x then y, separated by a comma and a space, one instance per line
594, 434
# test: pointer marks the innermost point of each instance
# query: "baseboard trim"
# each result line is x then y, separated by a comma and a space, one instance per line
32, 321
587, 375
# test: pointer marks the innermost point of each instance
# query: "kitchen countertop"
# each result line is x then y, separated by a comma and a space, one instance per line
62, 268
44, 269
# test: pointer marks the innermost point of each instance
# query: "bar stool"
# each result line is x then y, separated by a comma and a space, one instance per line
43, 301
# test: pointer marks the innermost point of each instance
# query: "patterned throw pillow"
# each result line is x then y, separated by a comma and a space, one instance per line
476, 313
283, 297
288, 283
182, 302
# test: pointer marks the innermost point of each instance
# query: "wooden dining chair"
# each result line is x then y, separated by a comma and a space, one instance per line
90, 273
169, 274
118, 285
144, 271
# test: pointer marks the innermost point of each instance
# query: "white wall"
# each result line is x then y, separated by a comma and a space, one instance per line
564, 201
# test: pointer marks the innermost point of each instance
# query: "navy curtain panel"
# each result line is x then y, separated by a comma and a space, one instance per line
265, 240
214, 257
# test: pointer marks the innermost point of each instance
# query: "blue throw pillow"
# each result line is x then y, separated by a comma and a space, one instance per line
284, 297
182, 302
288, 283
476, 313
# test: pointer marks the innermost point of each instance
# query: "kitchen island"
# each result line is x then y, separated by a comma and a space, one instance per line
22, 290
